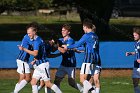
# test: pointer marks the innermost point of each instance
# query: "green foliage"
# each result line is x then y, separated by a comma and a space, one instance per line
26, 5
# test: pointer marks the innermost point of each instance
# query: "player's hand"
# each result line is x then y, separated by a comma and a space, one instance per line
59, 43
138, 60
128, 53
33, 62
64, 46
52, 42
20, 47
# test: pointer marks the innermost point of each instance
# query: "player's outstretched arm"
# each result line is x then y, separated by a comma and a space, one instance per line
129, 53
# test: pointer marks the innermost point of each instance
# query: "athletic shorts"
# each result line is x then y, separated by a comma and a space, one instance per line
22, 67
88, 68
62, 71
42, 72
136, 73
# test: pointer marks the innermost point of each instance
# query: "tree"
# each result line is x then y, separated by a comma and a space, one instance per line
99, 11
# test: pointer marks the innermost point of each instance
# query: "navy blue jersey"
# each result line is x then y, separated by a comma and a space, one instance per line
137, 54
38, 44
91, 42
24, 56
68, 58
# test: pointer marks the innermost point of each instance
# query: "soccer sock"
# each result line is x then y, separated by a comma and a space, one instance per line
137, 89
21, 85
56, 89
87, 87
34, 89
39, 87
80, 88
97, 90
47, 90
16, 87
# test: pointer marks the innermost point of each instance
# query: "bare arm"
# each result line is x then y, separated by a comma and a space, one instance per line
53, 55
62, 50
34, 53
130, 53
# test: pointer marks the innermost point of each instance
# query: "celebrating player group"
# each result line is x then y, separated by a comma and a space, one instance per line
34, 45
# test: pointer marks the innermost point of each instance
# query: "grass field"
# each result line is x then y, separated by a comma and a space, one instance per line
108, 85
112, 81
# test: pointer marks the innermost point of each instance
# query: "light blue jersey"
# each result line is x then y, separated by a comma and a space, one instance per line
90, 40
137, 54
38, 44
24, 56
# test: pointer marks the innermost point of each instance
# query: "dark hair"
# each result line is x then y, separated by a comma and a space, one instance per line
88, 23
136, 30
67, 27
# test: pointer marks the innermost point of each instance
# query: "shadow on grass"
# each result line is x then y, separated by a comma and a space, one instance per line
15, 32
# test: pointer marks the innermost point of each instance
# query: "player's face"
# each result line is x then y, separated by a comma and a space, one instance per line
136, 36
65, 32
85, 29
30, 33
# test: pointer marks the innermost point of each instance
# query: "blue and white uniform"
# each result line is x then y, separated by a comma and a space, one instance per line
42, 70
23, 57
136, 69
91, 63
68, 63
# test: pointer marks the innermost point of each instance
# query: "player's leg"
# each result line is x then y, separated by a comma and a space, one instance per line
135, 78
96, 77
41, 84
97, 82
60, 74
36, 76
71, 78
21, 77
47, 90
27, 77
34, 85
24, 75
85, 70
58, 80
46, 78
135, 84
52, 86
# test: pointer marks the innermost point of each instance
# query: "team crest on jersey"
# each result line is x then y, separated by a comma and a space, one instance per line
138, 47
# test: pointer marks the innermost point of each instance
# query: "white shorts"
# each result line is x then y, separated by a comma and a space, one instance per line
62, 71
23, 67
88, 68
136, 73
42, 71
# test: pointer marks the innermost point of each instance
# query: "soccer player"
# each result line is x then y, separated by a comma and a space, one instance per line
68, 64
23, 66
50, 47
39, 53
136, 69
91, 64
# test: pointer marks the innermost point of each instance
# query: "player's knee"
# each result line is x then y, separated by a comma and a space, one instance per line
28, 77
57, 80
48, 84
33, 81
71, 82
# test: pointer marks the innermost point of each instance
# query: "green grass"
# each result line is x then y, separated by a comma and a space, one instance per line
125, 21
108, 85
39, 19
